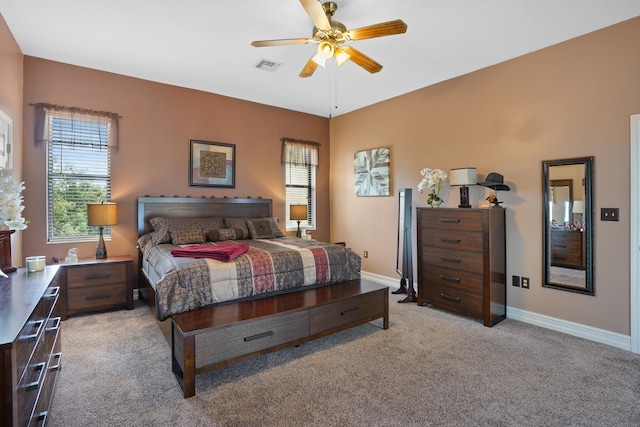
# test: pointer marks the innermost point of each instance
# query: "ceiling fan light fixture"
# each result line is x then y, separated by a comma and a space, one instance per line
326, 49
341, 56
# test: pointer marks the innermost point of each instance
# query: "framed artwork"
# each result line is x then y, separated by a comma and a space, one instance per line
5, 141
371, 170
212, 164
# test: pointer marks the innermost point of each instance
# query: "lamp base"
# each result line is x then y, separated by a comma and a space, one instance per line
299, 232
464, 197
101, 250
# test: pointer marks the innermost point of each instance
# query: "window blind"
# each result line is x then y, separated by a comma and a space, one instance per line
79, 165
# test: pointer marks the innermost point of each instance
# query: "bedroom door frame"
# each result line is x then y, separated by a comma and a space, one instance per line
634, 274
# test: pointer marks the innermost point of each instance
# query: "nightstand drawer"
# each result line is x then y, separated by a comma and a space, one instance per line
94, 275
97, 296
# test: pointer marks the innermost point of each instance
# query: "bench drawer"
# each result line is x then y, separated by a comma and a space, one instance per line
341, 313
248, 337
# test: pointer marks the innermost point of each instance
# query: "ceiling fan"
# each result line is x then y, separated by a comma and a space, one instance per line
330, 36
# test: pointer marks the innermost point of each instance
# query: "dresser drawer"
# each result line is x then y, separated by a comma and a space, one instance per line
29, 337
93, 275
449, 239
344, 312
31, 382
461, 280
451, 219
97, 296
248, 337
455, 297
448, 258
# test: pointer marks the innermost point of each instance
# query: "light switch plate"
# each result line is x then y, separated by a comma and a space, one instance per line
609, 214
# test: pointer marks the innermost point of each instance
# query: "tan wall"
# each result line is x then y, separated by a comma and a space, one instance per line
11, 104
570, 100
153, 159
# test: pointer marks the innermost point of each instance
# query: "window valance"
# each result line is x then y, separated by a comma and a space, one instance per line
300, 153
89, 118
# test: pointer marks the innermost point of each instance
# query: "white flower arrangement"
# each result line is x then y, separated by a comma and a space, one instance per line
432, 180
11, 202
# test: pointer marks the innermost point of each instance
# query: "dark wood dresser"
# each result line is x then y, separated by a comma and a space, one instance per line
30, 345
567, 249
462, 261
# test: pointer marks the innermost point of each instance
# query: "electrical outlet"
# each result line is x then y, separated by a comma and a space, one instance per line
515, 280
609, 214
525, 282
366, 254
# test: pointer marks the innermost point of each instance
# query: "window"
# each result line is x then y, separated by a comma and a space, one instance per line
300, 160
78, 171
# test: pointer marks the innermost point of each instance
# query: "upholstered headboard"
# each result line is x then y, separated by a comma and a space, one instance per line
150, 207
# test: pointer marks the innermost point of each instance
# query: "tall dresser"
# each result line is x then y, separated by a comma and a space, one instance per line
29, 345
462, 261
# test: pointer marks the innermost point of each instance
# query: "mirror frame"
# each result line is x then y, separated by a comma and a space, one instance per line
588, 289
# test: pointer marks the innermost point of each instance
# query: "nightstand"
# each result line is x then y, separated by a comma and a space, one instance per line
96, 284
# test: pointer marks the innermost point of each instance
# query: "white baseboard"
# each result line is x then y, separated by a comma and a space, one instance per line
383, 280
571, 328
576, 329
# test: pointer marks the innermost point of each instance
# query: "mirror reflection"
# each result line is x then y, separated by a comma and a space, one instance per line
567, 233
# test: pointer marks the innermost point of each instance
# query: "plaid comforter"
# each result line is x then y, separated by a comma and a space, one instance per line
270, 265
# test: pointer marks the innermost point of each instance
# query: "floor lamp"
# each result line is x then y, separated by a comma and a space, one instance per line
101, 215
298, 213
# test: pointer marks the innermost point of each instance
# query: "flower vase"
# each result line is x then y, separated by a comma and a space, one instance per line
435, 203
5, 251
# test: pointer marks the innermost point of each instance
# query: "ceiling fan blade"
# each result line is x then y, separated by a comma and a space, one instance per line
378, 30
362, 60
316, 13
279, 42
309, 68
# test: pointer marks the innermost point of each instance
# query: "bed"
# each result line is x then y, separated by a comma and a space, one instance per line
276, 292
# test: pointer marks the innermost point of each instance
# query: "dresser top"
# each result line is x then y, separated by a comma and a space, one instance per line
19, 295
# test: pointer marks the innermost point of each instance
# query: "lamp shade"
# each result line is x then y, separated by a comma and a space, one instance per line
298, 212
578, 207
102, 214
463, 176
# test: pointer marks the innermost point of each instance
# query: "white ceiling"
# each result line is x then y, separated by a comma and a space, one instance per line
205, 44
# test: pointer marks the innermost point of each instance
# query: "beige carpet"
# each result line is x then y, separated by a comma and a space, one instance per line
431, 368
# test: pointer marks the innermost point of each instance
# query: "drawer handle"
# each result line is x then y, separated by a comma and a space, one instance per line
449, 278
559, 246
42, 418
450, 298
258, 336
33, 337
446, 259
58, 357
36, 384
54, 292
98, 296
450, 240
560, 258
456, 220
97, 276
347, 312
56, 321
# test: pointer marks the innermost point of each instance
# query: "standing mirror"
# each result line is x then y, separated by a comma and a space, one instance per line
568, 224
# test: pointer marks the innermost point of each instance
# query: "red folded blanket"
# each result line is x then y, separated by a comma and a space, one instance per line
225, 252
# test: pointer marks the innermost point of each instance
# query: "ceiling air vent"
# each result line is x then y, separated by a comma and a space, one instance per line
265, 64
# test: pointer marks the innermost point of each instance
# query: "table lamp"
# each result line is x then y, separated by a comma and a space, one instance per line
101, 215
578, 209
298, 213
463, 177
